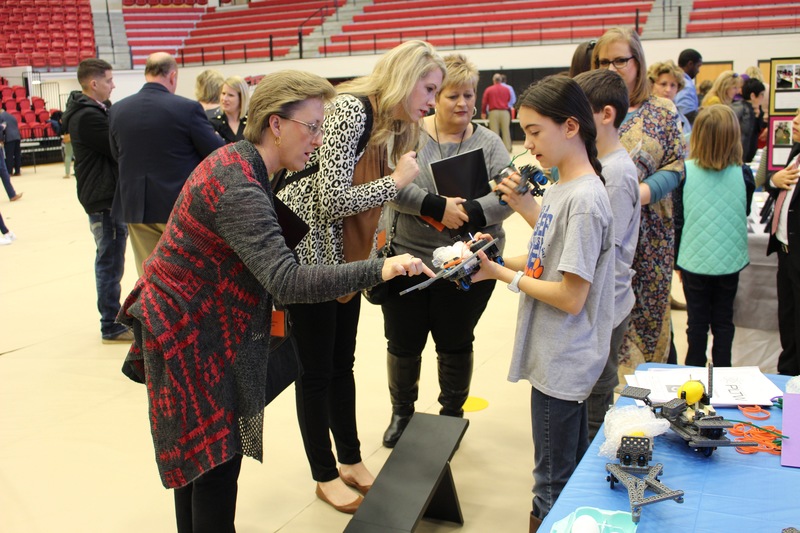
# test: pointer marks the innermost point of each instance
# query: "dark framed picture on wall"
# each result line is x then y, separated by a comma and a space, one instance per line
785, 86
779, 141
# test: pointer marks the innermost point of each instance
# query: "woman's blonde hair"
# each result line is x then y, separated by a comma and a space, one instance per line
716, 140
755, 73
641, 91
724, 81
238, 84
391, 83
460, 71
666, 67
207, 86
279, 94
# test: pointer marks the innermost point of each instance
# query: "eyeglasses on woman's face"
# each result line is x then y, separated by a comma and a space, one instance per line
313, 129
619, 63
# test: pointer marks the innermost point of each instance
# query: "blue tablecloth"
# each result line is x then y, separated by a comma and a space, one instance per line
727, 492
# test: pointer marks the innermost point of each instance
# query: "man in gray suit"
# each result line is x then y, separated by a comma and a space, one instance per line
158, 138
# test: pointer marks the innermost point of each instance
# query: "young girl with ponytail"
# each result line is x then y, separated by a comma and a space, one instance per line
566, 281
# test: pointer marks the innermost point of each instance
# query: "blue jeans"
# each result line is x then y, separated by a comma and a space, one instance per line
110, 237
560, 438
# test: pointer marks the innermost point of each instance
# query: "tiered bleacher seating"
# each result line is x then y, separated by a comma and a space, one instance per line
30, 113
158, 29
245, 34
731, 16
38, 33
199, 35
458, 23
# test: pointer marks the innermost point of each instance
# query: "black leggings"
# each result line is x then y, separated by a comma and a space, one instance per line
326, 392
208, 504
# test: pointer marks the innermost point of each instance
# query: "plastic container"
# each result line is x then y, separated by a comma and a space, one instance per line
607, 521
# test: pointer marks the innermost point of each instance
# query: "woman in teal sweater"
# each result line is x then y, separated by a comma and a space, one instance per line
711, 232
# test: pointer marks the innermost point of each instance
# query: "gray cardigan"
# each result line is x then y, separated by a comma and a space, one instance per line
417, 237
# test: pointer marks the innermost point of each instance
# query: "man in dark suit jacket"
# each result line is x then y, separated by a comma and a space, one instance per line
785, 239
158, 138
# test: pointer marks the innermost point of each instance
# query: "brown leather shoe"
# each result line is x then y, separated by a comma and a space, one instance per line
16, 197
535, 523
349, 508
363, 489
676, 305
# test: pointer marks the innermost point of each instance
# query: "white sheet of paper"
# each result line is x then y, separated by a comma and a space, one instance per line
744, 385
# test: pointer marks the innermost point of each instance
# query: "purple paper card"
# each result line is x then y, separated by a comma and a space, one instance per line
790, 448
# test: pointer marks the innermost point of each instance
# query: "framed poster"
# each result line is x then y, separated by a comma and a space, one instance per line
785, 87
779, 141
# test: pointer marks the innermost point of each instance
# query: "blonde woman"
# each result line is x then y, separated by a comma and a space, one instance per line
447, 313
207, 87
652, 135
348, 175
668, 80
725, 88
231, 119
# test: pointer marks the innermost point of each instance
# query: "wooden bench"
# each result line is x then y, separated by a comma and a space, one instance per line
416, 480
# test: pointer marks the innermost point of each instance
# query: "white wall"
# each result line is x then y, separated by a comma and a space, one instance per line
744, 51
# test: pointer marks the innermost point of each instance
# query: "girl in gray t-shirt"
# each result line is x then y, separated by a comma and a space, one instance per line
566, 309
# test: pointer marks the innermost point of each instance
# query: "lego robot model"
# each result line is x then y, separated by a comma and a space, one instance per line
460, 267
634, 456
531, 180
691, 415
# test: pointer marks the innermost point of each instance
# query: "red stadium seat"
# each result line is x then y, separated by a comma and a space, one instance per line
38, 59
6, 60
43, 116
23, 104
71, 58
25, 131
22, 59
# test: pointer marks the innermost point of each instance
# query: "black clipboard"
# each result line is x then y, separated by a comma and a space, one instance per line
462, 175
294, 228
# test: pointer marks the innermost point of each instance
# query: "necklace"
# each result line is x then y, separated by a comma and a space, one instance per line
436, 129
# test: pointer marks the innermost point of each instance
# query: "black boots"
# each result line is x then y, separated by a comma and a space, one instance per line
403, 387
455, 375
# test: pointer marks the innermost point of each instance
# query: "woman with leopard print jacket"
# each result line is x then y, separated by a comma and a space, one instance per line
386, 108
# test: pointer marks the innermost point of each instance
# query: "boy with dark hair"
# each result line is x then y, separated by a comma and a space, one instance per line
608, 97
751, 116
86, 121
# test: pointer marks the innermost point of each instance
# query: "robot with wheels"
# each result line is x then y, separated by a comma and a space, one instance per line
691, 415
460, 268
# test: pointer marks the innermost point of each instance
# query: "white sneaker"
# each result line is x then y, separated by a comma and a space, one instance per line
4, 239
10, 235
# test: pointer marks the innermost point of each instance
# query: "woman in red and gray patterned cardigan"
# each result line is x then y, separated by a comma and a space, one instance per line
202, 309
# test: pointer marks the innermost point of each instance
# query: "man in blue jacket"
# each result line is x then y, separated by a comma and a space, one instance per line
86, 118
158, 138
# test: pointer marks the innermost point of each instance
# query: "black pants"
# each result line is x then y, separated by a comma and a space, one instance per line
208, 504
13, 156
788, 315
709, 303
449, 314
326, 392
